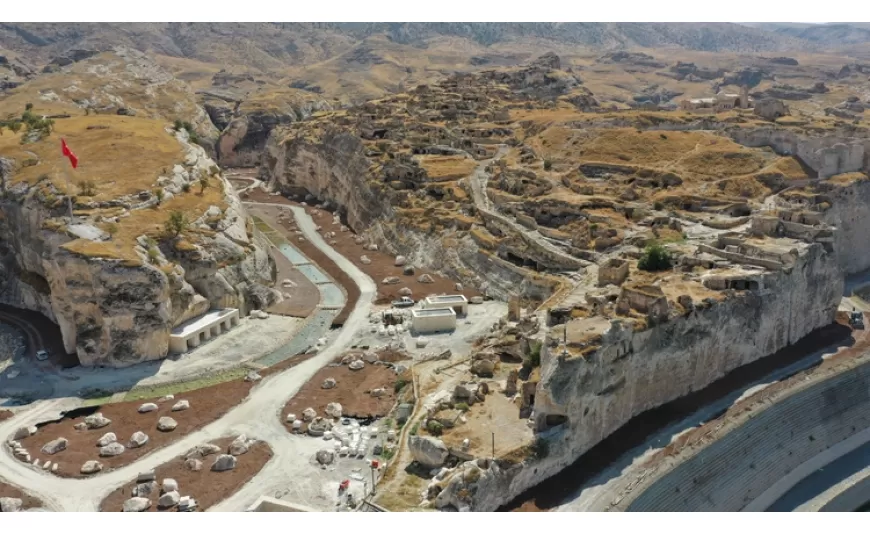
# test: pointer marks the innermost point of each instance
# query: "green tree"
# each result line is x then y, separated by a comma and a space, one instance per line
178, 125
158, 193
176, 223
15, 126
203, 184
655, 258
28, 106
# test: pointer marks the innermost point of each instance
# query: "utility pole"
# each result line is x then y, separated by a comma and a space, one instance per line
69, 195
493, 446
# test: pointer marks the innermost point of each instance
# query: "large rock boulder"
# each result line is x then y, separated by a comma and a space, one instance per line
137, 504
428, 451
483, 367
54, 446
180, 406
308, 414
112, 449
333, 409
10, 504
108, 437
193, 464
201, 451
239, 446
168, 499
224, 462
23, 432
137, 440
90, 467
169, 484
329, 383
147, 407
166, 424
319, 426
325, 456
356, 365
96, 421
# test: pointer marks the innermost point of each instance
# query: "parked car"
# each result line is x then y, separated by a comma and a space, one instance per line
404, 302
42, 355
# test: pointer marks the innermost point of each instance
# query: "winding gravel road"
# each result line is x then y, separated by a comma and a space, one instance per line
258, 416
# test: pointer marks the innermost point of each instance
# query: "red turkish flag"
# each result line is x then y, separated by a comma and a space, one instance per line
69, 153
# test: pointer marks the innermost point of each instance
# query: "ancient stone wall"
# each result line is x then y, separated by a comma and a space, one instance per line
849, 214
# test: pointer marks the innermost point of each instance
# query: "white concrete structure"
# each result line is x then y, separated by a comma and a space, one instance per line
458, 302
269, 504
197, 331
431, 320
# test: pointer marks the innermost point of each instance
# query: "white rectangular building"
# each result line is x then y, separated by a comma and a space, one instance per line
432, 320
458, 303
193, 333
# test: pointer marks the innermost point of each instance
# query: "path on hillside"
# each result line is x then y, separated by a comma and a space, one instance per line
258, 416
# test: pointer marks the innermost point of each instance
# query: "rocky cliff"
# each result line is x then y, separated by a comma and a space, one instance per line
581, 400
117, 310
333, 168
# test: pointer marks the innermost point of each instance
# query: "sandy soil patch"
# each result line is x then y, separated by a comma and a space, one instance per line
28, 501
207, 487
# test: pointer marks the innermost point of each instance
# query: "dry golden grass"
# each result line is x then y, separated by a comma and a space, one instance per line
441, 168
121, 155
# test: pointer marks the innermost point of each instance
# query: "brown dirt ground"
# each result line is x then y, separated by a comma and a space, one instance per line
206, 486
304, 298
549, 493
5, 414
206, 405
351, 391
28, 501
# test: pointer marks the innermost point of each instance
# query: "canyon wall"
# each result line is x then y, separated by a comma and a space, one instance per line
118, 312
633, 372
850, 215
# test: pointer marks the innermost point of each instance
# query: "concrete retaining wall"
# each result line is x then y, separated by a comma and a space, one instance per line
740, 466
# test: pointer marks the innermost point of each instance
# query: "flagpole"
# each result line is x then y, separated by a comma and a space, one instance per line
68, 194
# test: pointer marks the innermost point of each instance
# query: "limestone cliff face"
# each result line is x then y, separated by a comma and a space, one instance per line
333, 169
114, 312
593, 397
828, 155
242, 140
849, 213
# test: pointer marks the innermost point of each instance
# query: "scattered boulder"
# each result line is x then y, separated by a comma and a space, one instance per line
477, 299
22, 433
193, 464
308, 414
180, 406
378, 392
426, 279
90, 467
400, 261
371, 357
54, 446
239, 446
146, 476
168, 499
390, 280
428, 451
147, 407
137, 440
403, 412
333, 409
201, 451
224, 462
108, 437
365, 260
166, 398
112, 449
166, 424
137, 504
318, 427
170, 484
408, 270
458, 287
253, 376
405, 292
325, 456
96, 421
10, 504
80, 426
329, 383
356, 365
483, 367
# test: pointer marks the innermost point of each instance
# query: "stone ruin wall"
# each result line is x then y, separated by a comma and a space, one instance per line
625, 377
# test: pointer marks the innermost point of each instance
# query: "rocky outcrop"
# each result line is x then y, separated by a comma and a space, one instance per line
848, 212
116, 312
333, 170
429, 452
580, 401
243, 138
828, 155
